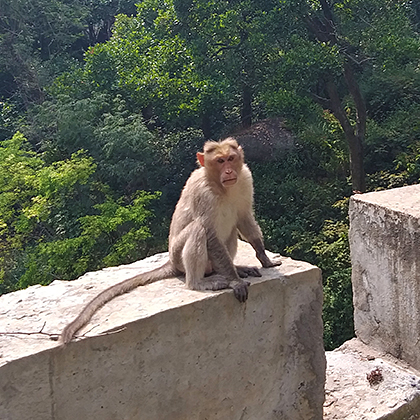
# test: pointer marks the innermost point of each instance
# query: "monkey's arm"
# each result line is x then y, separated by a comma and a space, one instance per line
249, 229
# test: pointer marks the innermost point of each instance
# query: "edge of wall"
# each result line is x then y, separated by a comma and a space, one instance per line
175, 354
385, 251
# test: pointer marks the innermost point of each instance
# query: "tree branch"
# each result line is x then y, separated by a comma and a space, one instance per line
326, 8
224, 47
354, 90
55, 336
337, 108
52, 336
324, 102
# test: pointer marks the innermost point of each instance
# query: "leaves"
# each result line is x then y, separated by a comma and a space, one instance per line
139, 92
44, 235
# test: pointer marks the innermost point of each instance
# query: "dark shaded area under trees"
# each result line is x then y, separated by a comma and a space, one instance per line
103, 105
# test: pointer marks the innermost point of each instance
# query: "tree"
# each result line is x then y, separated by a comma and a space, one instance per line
197, 64
32, 32
101, 17
57, 221
42, 38
324, 29
232, 43
325, 50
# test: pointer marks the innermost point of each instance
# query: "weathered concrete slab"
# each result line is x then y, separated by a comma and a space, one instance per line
176, 354
385, 252
350, 395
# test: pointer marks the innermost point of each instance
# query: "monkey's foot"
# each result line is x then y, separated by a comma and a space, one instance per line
245, 271
218, 282
240, 289
214, 282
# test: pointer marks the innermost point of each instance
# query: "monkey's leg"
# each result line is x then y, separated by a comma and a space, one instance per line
195, 261
222, 263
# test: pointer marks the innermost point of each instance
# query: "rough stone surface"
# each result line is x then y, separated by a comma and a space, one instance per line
385, 252
265, 140
171, 353
350, 396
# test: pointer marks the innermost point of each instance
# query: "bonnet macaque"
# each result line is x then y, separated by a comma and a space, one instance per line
215, 205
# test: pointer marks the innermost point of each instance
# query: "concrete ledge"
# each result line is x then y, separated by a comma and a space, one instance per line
350, 396
175, 354
385, 252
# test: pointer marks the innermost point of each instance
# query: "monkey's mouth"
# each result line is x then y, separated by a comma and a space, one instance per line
229, 182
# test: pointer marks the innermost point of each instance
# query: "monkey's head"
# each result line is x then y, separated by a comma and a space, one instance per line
222, 160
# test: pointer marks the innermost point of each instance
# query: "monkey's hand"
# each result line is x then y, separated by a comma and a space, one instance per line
240, 289
245, 271
266, 262
273, 263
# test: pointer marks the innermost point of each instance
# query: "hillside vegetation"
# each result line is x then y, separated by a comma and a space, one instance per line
103, 104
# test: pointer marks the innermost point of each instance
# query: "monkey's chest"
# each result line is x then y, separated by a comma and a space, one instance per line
226, 220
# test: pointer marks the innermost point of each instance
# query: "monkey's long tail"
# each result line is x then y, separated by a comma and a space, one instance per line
165, 271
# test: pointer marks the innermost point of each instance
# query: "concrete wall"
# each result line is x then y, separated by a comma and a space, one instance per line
176, 355
385, 253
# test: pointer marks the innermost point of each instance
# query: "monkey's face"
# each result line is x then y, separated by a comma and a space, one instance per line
223, 161
228, 168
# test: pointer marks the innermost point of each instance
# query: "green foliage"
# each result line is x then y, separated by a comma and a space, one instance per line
332, 252
35, 39
128, 158
303, 215
138, 89
381, 29
293, 197
406, 170
396, 134
9, 120
309, 62
125, 151
50, 226
408, 164
34, 197
115, 235
148, 66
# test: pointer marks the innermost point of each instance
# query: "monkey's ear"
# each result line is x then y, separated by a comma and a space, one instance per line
200, 158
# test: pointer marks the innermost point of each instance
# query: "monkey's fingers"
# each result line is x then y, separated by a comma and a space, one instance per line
275, 262
245, 271
240, 290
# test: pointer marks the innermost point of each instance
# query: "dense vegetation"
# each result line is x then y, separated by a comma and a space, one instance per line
103, 104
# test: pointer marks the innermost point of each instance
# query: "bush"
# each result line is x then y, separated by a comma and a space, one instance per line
56, 221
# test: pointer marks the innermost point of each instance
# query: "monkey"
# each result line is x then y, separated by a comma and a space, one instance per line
215, 205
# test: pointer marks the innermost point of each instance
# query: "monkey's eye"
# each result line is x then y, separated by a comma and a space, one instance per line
230, 158
220, 160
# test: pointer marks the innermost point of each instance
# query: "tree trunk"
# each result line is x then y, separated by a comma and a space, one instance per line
354, 135
206, 125
246, 109
356, 143
357, 170
325, 30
